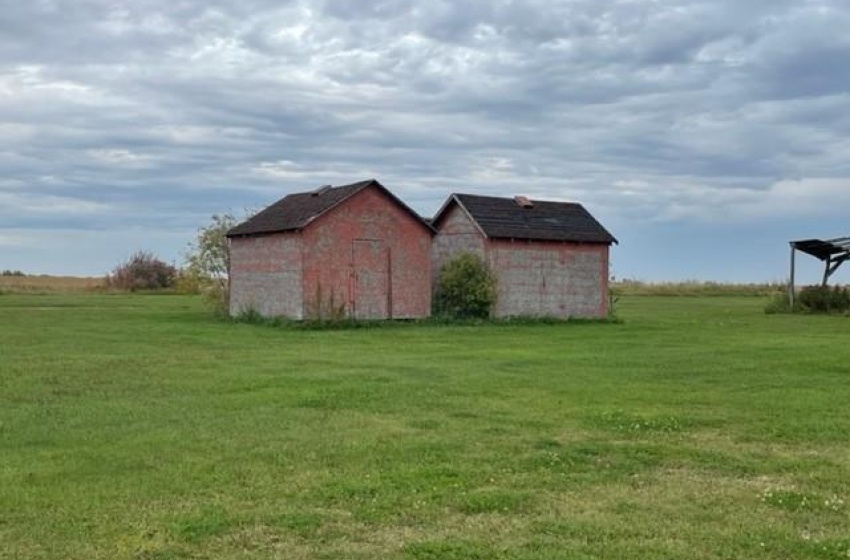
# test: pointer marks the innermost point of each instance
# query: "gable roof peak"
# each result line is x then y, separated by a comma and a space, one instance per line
539, 220
297, 210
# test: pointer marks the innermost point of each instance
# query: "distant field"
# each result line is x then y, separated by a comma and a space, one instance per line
41, 284
59, 284
136, 427
695, 288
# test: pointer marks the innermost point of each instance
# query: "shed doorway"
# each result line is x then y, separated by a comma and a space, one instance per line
372, 287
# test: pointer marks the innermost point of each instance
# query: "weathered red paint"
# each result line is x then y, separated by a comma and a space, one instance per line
367, 258
371, 258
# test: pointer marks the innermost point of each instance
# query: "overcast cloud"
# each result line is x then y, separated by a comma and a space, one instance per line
705, 133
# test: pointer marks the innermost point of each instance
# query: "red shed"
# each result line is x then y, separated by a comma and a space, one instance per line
549, 258
349, 251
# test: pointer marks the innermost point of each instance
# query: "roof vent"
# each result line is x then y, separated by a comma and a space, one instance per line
524, 201
321, 190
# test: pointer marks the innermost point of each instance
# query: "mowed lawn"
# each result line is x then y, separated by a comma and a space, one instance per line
137, 427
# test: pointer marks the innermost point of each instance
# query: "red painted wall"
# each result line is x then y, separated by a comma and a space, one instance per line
368, 259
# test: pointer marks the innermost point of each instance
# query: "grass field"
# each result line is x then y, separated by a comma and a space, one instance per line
136, 427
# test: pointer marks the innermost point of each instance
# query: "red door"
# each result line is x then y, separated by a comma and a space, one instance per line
371, 267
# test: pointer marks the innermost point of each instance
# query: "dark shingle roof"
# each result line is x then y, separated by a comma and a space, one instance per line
824, 250
296, 211
504, 218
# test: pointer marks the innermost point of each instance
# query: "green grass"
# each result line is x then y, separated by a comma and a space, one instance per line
137, 427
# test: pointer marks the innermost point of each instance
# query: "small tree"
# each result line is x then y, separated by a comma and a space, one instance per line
208, 261
465, 287
143, 271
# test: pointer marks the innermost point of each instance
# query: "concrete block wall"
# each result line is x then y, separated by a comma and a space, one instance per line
533, 278
370, 259
265, 275
457, 234
549, 278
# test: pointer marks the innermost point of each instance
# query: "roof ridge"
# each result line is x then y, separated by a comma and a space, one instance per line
296, 211
511, 198
547, 220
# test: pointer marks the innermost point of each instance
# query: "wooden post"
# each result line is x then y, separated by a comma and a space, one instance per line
826, 266
791, 279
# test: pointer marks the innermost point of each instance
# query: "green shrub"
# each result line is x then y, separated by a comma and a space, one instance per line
823, 299
812, 299
465, 288
208, 263
779, 303
188, 283
143, 271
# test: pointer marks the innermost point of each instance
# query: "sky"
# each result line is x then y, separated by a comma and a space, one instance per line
704, 134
